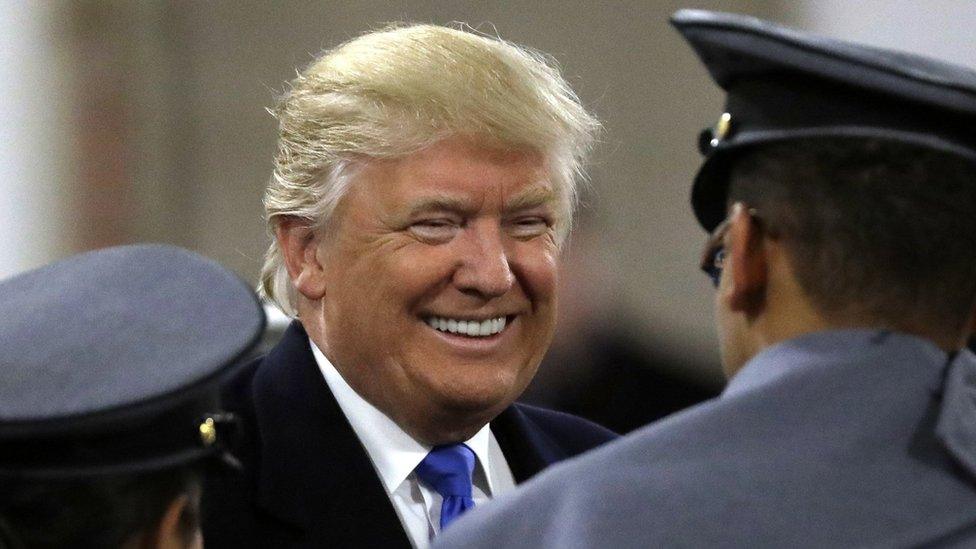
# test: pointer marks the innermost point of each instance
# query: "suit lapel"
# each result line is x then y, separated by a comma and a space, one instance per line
527, 448
315, 473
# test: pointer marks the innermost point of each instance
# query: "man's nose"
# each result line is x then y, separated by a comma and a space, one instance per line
484, 263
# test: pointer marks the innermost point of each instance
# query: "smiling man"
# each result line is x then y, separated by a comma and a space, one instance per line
424, 183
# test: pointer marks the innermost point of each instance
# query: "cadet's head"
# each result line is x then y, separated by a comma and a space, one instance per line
876, 233
108, 395
424, 183
847, 180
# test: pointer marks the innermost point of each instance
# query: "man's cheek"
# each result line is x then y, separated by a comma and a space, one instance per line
539, 279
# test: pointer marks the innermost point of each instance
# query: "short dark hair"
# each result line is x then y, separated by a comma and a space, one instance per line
876, 230
93, 512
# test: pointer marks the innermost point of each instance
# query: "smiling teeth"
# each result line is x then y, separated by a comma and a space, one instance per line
470, 328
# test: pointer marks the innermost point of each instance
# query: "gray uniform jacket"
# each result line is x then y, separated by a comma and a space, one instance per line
854, 438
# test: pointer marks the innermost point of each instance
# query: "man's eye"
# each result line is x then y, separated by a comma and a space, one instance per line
437, 230
527, 227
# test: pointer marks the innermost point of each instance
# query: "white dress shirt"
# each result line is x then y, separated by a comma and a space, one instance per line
395, 455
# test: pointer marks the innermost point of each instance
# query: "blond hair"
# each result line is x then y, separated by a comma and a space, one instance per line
389, 93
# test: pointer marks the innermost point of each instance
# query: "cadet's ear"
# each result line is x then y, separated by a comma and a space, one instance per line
178, 528
299, 246
747, 260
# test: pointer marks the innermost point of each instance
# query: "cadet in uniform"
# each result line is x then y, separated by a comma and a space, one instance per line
839, 186
108, 412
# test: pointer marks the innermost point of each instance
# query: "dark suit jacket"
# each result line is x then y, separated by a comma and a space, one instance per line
308, 482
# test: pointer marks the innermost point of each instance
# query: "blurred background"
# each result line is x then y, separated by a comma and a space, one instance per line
145, 121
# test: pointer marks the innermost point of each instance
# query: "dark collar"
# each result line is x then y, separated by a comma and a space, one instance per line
314, 472
528, 449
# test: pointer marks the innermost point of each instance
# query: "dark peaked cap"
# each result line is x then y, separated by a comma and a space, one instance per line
784, 84
111, 361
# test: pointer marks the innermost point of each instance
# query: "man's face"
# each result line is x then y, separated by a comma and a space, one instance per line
456, 238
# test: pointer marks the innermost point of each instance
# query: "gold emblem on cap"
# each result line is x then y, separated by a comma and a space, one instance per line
722, 128
208, 432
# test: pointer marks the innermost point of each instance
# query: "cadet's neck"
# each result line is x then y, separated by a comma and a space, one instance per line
790, 313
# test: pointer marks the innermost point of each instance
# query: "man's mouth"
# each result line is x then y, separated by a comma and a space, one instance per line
470, 328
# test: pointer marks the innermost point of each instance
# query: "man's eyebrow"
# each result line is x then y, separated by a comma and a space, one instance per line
528, 199
437, 204
531, 198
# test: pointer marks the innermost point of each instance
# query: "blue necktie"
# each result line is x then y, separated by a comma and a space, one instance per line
447, 469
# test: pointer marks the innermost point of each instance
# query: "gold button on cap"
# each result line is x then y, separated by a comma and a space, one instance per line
208, 432
722, 128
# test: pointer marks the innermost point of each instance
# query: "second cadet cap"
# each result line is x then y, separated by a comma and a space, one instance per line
112, 361
782, 85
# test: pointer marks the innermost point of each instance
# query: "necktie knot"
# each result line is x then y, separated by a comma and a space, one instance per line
447, 470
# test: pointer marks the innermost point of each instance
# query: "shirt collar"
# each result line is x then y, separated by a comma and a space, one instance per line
394, 453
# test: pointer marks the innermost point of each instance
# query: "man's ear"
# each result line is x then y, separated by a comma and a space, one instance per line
171, 532
747, 263
299, 247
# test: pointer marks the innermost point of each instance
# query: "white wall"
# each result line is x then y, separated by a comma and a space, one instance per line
35, 140
945, 29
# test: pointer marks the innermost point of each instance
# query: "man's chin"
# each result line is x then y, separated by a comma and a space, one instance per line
465, 397
456, 417
476, 405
